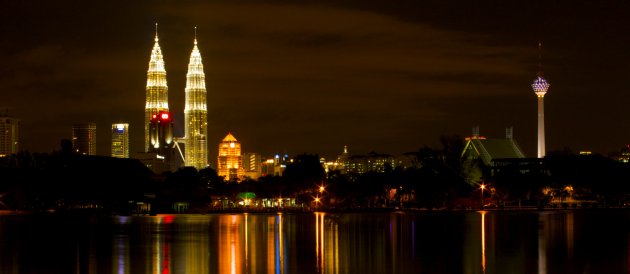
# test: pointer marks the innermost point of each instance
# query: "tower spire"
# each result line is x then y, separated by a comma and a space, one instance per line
196, 112
540, 87
540, 69
156, 90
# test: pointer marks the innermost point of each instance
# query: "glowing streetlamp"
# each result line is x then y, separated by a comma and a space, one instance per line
321, 189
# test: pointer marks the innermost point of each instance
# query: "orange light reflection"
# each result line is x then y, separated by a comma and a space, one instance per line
483, 241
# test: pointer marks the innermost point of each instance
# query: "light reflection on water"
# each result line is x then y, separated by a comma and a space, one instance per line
483, 241
474, 242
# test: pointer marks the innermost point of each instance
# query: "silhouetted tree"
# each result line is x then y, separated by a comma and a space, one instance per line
305, 172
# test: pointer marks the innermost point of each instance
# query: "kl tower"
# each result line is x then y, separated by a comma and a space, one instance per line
540, 87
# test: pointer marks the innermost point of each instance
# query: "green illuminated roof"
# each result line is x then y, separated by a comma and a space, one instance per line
489, 149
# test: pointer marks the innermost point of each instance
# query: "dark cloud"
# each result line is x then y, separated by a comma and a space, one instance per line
313, 76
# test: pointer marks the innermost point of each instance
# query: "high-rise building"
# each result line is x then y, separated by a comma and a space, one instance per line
161, 133
252, 165
120, 140
84, 138
196, 113
275, 166
372, 162
9, 133
540, 87
230, 161
156, 90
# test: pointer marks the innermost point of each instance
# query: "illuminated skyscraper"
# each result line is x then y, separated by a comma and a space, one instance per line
156, 90
252, 165
230, 161
9, 129
161, 133
540, 87
196, 112
120, 140
84, 138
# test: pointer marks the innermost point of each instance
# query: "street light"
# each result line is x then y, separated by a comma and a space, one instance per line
321, 189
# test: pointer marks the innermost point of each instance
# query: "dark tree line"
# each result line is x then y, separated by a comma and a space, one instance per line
63, 180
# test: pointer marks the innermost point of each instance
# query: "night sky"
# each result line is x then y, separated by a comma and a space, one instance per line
313, 76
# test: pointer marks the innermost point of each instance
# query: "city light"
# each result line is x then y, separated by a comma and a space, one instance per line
156, 90
196, 112
230, 160
540, 85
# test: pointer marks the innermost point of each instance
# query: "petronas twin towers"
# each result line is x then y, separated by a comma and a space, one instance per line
195, 111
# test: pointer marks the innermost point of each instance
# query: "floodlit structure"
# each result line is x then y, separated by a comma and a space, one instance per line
372, 162
156, 90
9, 133
252, 165
230, 161
161, 133
84, 138
196, 112
540, 87
481, 154
120, 140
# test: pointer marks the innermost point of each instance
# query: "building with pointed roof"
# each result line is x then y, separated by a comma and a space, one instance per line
156, 89
196, 112
230, 160
481, 154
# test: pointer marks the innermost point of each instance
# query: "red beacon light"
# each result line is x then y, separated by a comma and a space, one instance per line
154, 116
164, 116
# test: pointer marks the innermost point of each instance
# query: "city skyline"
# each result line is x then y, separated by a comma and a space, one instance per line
371, 75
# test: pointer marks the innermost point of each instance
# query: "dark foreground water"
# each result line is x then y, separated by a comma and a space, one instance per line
471, 242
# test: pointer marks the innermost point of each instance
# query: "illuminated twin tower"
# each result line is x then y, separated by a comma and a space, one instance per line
158, 133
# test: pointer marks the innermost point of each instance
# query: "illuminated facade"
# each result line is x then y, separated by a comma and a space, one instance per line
252, 165
156, 90
230, 161
84, 138
120, 140
161, 133
372, 162
196, 113
540, 87
275, 166
9, 133
623, 155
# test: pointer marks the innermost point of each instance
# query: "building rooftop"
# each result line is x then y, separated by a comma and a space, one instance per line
229, 138
489, 149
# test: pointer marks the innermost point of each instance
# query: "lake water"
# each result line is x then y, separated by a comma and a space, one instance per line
596, 241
